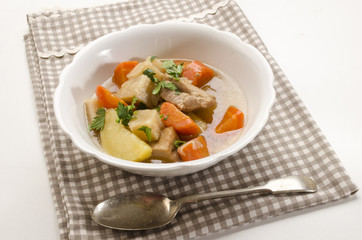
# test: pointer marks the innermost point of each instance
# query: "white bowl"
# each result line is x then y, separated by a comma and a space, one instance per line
95, 63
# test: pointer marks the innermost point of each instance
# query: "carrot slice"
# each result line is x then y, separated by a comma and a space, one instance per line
198, 73
121, 71
193, 149
108, 99
173, 117
232, 120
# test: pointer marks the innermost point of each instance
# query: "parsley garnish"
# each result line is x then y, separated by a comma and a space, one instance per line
159, 84
163, 117
157, 89
172, 69
150, 74
170, 86
164, 84
98, 121
147, 131
153, 58
141, 106
178, 143
125, 113
157, 109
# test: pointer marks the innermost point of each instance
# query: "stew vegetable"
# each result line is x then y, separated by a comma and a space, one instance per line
165, 110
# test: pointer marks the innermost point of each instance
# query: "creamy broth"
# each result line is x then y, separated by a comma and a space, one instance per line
227, 93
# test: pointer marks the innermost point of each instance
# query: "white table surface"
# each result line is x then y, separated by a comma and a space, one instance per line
318, 44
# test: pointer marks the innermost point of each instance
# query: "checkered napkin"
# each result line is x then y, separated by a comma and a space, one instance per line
290, 144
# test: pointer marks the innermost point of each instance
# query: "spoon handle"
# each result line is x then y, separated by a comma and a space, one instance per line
221, 194
291, 184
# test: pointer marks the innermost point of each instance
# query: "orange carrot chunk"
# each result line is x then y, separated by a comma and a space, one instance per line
108, 99
121, 71
198, 73
173, 117
232, 120
193, 149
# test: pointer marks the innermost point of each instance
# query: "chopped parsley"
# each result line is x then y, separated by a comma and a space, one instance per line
159, 84
98, 121
178, 143
147, 131
153, 58
163, 117
150, 74
125, 113
141, 106
170, 86
157, 89
172, 69
164, 84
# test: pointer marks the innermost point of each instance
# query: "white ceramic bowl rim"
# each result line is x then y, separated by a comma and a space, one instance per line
162, 166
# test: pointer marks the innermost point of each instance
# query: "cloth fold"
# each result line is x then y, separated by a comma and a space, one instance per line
290, 144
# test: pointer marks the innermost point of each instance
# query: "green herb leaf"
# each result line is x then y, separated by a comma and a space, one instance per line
150, 74
172, 69
147, 131
157, 89
134, 100
170, 86
153, 58
141, 106
157, 109
165, 117
168, 64
159, 84
178, 143
98, 121
125, 113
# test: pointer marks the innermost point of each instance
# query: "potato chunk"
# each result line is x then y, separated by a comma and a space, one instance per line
155, 65
140, 87
148, 118
117, 141
91, 107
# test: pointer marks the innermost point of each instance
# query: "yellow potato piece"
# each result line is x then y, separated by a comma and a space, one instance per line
117, 141
148, 118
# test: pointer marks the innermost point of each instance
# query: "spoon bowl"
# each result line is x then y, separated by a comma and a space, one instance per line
140, 211
135, 211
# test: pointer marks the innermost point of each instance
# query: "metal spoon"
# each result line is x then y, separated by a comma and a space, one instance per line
150, 210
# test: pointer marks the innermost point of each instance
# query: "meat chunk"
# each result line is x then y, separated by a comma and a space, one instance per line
190, 97
164, 149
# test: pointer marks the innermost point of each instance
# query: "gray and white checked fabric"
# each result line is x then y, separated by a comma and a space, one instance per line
290, 144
